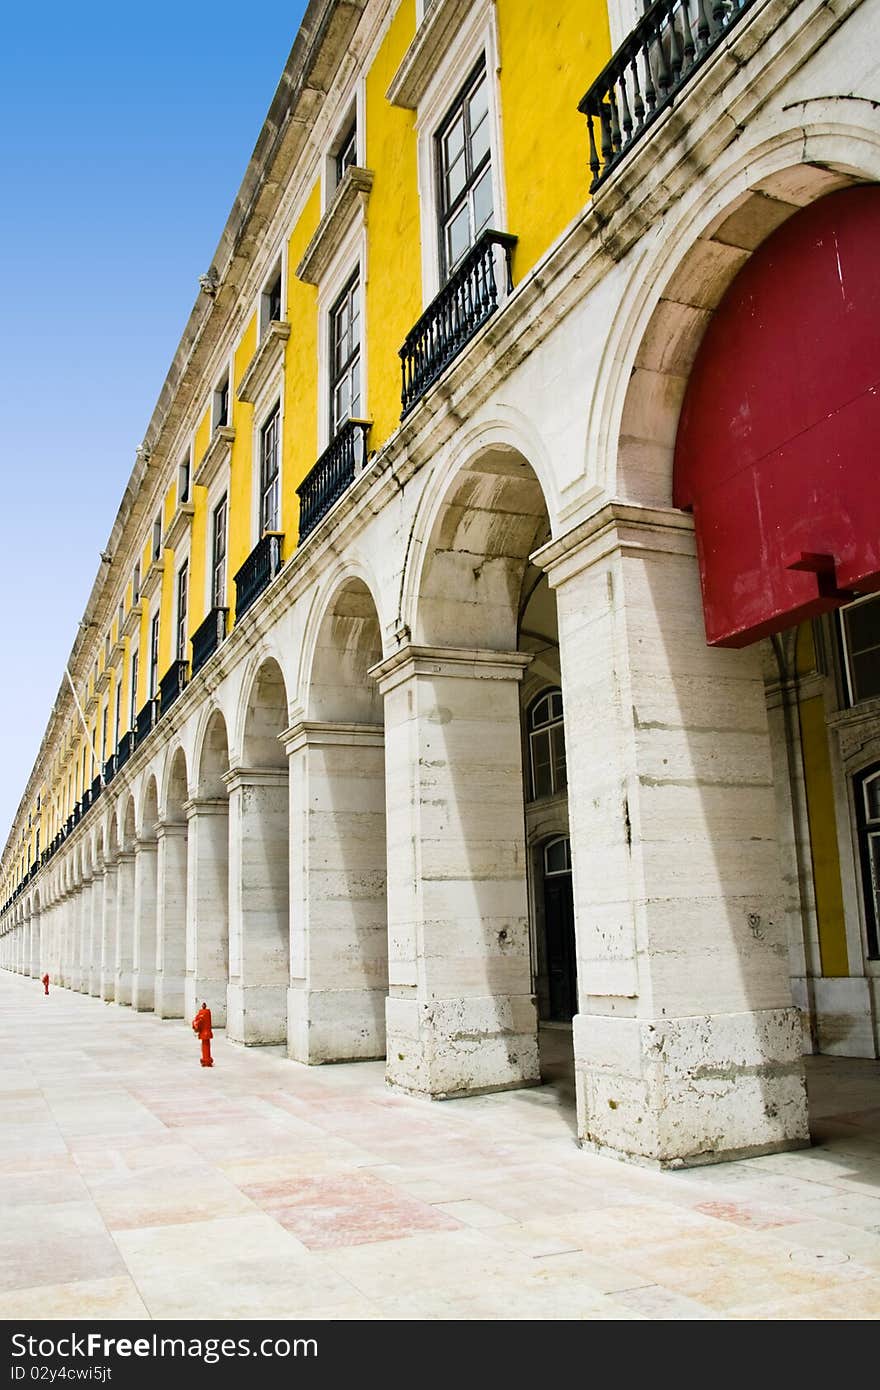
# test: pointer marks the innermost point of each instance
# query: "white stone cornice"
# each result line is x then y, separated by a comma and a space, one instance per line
353, 192
265, 361
132, 621
180, 524
315, 734
441, 23
153, 578
615, 526
455, 662
217, 453
206, 806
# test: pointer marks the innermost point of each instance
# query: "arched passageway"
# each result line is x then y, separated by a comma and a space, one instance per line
171, 899
207, 892
145, 891
339, 928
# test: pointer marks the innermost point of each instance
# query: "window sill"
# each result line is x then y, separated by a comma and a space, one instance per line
215, 456
264, 362
420, 61
152, 579
353, 192
180, 523
132, 621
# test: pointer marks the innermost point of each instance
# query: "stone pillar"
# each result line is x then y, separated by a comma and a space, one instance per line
124, 925
143, 982
338, 914
207, 907
108, 930
171, 875
259, 906
84, 935
687, 1047
36, 928
460, 1015
93, 984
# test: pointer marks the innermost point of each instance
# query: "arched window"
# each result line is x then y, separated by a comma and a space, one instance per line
547, 744
557, 856
867, 789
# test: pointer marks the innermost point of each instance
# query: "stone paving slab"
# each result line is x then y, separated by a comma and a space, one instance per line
134, 1184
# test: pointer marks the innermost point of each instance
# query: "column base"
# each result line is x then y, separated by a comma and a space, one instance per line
95, 985
335, 1025
212, 991
169, 996
256, 1015
143, 991
123, 987
107, 989
461, 1047
674, 1093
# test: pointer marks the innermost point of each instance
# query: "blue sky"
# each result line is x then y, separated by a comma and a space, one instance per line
126, 133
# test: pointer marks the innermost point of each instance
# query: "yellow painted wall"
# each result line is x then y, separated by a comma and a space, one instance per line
169, 588
238, 545
394, 283
300, 430
549, 56
823, 838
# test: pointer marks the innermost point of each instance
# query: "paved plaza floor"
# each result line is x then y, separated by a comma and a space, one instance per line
135, 1184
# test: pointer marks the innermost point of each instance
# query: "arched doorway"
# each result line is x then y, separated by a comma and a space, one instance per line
339, 925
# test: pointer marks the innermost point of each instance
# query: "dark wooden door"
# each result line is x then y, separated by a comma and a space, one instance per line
561, 963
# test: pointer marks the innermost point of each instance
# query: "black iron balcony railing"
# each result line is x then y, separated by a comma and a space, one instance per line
258, 571
86, 800
109, 769
463, 305
333, 474
96, 789
208, 636
147, 717
125, 750
172, 684
650, 67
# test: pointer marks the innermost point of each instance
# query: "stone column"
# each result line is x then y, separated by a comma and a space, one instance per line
108, 930
171, 875
687, 1047
259, 906
207, 907
143, 983
83, 934
124, 925
338, 915
36, 928
460, 1015
93, 984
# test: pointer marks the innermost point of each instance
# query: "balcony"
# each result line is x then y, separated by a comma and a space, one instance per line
658, 58
96, 789
109, 769
461, 308
172, 684
125, 750
334, 472
147, 717
258, 571
208, 636
86, 800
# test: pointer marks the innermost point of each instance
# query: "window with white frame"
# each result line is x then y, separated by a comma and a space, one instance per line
270, 450
182, 597
220, 403
346, 151
157, 537
547, 744
464, 172
154, 657
345, 356
104, 734
136, 584
218, 555
270, 301
867, 791
860, 631
117, 713
120, 619
183, 480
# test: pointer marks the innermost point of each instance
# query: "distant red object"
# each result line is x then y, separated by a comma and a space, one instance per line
776, 451
45, 984
202, 1028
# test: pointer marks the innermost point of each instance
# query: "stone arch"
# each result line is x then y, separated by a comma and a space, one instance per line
663, 317
511, 433
336, 1003
124, 928
143, 992
263, 679
491, 516
355, 569
259, 905
211, 755
207, 902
